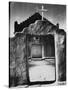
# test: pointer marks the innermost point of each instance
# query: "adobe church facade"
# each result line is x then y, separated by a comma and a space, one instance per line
36, 39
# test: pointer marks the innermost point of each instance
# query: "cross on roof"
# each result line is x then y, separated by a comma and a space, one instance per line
42, 10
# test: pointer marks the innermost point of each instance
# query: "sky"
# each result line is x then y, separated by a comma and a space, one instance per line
20, 11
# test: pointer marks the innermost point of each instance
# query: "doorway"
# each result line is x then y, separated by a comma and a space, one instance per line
41, 64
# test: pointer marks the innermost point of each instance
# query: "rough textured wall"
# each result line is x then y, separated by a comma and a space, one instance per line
61, 56
17, 61
12, 49
39, 27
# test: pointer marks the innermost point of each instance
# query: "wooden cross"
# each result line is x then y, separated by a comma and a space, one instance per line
42, 10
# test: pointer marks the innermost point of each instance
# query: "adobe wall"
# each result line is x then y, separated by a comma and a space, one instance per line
60, 41
18, 67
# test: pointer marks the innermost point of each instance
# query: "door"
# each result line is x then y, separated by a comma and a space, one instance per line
36, 51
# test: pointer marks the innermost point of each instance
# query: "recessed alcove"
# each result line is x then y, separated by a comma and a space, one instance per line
41, 46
